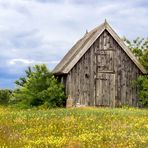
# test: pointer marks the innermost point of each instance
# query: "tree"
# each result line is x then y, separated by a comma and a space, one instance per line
23, 80
39, 87
139, 47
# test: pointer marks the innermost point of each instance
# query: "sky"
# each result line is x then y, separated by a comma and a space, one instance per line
42, 31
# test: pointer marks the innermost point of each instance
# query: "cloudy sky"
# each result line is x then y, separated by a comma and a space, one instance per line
42, 31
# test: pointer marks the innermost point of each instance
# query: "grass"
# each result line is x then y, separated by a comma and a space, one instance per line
74, 128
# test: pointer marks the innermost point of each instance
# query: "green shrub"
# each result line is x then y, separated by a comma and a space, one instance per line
142, 84
39, 88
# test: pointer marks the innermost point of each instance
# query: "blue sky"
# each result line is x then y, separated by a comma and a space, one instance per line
42, 31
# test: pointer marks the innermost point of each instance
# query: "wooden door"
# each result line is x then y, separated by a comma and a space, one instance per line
105, 78
105, 89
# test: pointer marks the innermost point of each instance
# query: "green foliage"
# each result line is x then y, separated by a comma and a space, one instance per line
23, 80
5, 96
142, 84
139, 47
39, 88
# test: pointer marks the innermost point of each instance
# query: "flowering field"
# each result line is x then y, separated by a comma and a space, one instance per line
74, 128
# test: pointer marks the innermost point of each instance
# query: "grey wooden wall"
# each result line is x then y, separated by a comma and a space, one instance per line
103, 76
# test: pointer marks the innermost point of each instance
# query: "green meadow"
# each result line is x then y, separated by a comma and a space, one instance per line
74, 128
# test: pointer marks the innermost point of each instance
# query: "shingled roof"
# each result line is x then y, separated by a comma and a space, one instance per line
81, 47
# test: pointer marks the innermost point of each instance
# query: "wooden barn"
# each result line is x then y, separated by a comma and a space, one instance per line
98, 70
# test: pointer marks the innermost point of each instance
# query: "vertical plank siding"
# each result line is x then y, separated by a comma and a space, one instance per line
109, 84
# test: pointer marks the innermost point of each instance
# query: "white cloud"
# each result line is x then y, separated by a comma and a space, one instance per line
23, 61
30, 62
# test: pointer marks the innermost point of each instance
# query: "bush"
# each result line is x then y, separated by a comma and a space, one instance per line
39, 88
142, 84
5, 96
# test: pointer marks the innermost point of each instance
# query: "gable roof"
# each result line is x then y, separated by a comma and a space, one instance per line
81, 47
